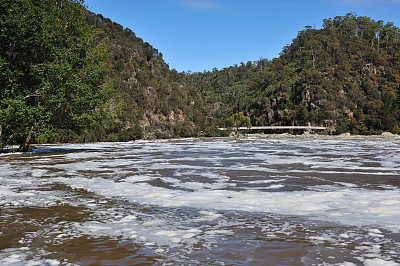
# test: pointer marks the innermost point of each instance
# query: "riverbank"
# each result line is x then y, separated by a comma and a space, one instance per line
384, 135
305, 136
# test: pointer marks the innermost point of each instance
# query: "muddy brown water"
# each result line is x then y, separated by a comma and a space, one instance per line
283, 201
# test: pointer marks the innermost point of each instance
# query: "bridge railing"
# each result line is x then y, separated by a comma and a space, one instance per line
279, 128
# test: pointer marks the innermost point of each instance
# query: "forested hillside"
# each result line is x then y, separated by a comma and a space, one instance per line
152, 100
68, 75
345, 76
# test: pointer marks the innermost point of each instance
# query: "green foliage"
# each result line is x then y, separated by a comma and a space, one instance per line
238, 120
345, 76
147, 94
68, 75
129, 134
52, 71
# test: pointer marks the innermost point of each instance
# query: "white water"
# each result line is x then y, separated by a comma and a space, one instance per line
334, 194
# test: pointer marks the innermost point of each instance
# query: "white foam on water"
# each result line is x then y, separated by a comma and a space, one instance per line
138, 178
351, 206
38, 172
128, 171
346, 263
26, 257
161, 232
6, 191
267, 181
379, 262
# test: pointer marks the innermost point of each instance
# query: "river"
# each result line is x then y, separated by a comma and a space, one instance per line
255, 201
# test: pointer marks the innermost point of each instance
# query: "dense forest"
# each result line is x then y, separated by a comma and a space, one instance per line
345, 76
68, 75
52, 73
153, 101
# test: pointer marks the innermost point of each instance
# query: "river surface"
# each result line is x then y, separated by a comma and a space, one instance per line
283, 201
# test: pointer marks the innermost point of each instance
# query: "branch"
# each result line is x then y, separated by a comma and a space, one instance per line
32, 95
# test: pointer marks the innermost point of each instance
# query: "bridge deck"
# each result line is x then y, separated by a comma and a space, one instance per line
278, 127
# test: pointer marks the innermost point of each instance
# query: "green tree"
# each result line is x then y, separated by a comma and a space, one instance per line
51, 70
345, 75
238, 120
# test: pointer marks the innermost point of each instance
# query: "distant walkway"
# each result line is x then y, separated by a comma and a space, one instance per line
278, 128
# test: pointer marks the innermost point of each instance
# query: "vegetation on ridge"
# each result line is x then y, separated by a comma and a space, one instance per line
67, 74
345, 76
156, 103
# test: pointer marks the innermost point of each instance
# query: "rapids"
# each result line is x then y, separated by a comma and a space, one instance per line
277, 201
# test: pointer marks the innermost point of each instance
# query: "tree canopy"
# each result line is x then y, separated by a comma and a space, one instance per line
52, 71
345, 76
238, 120
67, 74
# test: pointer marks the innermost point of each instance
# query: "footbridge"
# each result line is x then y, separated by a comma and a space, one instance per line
307, 128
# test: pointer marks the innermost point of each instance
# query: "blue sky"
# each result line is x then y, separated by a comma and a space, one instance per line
199, 35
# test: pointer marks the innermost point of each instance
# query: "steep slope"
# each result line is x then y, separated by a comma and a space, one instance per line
345, 75
152, 100
72, 75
